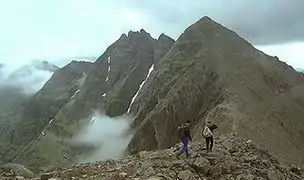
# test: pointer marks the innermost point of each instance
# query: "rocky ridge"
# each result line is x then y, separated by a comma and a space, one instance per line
232, 159
212, 73
208, 73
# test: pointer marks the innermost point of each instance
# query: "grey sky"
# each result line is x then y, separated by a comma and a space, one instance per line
59, 30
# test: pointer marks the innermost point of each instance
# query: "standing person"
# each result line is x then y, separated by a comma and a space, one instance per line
184, 131
208, 134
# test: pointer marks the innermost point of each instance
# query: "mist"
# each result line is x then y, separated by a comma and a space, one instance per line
109, 137
24, 77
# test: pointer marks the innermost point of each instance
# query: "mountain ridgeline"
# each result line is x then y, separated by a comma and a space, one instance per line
208, 73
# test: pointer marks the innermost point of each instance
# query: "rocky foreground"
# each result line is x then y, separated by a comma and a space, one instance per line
231, 159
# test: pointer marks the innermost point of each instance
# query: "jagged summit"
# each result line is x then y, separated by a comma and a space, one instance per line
142, 32
164, 37
133, 34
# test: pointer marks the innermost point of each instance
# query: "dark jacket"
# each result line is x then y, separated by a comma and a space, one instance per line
185, 132
212, 127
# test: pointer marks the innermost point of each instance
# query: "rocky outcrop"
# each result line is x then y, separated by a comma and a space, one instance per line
232, 158
13, 169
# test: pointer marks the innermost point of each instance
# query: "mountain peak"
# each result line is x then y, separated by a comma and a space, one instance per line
207, 24
164, 37
142, 32
207, 19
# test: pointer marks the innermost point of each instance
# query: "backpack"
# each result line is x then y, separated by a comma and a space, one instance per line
181, 130
207, 132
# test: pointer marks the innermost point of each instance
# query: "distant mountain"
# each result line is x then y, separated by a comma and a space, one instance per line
21, 85
29, 69
208, 73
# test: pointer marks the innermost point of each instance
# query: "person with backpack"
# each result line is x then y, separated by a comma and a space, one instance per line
185, 134
208, 134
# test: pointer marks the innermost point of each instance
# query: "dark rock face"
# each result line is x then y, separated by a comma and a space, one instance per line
130, 62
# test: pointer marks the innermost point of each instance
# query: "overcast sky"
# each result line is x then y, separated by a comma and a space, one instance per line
59, 30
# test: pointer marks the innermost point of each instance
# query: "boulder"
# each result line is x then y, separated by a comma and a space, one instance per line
202, 165
186, 175
19, 170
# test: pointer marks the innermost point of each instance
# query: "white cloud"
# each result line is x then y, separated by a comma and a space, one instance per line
31, 79
109, 136
291, 53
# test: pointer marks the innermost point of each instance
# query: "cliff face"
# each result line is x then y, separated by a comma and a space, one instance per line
208, 73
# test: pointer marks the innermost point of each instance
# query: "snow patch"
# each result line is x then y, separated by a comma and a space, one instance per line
92, 121
109, 68
109, 59
104, 95
75, 94
141, 85
42, 133
107, 79
51, 121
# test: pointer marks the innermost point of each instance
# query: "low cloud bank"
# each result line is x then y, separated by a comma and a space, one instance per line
27, 78
109, 137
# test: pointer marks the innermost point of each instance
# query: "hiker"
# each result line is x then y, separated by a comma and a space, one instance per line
184, 131
208, 135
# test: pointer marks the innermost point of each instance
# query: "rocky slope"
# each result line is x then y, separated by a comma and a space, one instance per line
212, 73
208, 73
232, 158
